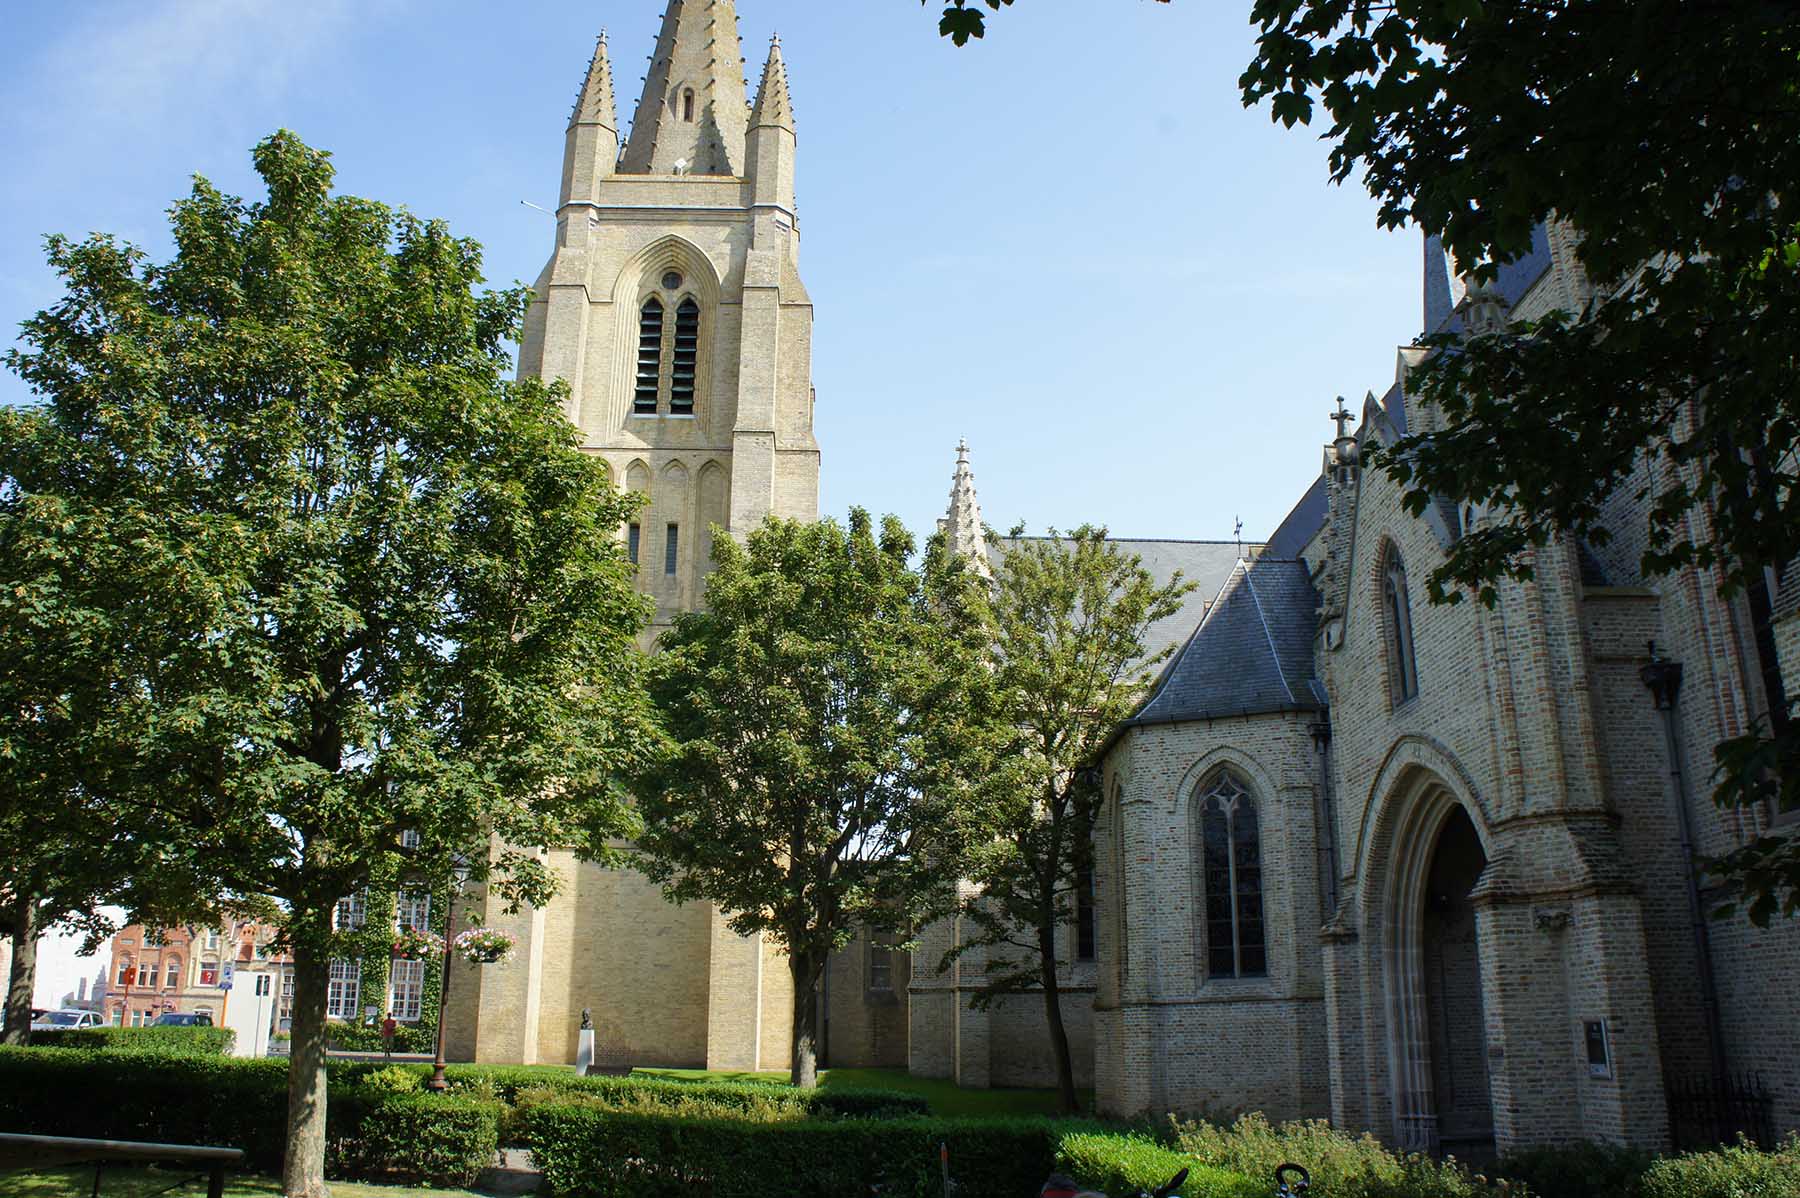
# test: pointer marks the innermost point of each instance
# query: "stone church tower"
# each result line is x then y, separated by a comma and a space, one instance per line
672, 301
673, 308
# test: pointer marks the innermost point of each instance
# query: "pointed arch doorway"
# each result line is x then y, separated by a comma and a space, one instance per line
1438, 1044
1453, 1004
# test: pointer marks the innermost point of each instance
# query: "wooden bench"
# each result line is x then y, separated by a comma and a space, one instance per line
50, 1152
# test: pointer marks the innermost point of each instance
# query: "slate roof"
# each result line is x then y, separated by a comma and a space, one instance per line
1250, 655
1302, 523
1512, 280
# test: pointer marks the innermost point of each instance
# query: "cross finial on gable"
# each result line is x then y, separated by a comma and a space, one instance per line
1343, 417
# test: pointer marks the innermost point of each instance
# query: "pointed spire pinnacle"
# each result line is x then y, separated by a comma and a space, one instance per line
693, 108
964, 533
595, 104
773, 104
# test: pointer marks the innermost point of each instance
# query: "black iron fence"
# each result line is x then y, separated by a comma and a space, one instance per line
1707, 1112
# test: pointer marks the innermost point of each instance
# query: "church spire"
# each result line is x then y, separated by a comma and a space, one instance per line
591, 146
773, 105
964, 533
692, 116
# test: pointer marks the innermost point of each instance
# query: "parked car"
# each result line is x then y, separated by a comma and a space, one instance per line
177, 1019
55, 1021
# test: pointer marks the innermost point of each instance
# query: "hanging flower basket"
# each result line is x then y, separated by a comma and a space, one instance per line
412, 944
484, 946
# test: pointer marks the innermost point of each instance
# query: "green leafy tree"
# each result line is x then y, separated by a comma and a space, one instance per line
826, 719
1066, 620
1666, 133
358, 583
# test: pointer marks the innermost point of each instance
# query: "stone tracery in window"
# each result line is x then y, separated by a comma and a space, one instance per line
1403, 673
1231, 866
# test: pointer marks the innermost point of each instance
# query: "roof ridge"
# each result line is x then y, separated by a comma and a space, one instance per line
1268, 636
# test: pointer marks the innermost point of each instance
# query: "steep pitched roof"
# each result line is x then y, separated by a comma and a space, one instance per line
1250, 655
1302, 523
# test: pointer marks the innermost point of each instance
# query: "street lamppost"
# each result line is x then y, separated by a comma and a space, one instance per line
460, 871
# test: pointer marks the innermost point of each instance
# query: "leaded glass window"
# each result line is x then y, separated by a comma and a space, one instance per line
1231, 866
1403, 673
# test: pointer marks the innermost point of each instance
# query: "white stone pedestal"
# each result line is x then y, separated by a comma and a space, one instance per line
584, 1052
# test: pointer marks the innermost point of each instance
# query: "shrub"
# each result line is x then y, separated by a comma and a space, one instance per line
1581, 1170
392, 1080
162, 1041
227, 1102
360, 1037
1125, 1164
1742, 1171
1342, 1166
438, 1139
586, 1152
759, 1100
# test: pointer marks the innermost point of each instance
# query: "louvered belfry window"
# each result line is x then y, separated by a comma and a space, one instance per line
649, 365
687, 349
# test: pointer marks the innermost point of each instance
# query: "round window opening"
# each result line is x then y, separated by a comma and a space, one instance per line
672, 280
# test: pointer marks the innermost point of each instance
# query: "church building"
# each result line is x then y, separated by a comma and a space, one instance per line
1423, 870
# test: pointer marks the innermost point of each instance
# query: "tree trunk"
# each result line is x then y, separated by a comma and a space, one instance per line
303, 1163
803, 1067
23, 982
1059, 1035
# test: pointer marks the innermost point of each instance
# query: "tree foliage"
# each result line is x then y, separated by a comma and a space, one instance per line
826, 720
348, 580
1066, 621
964, 19
1666, 133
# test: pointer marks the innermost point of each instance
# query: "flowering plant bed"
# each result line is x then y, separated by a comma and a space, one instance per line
484, 946
413, 944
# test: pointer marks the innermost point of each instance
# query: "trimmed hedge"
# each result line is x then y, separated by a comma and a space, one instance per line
586, 1152
1117, 1164
1580, 1170
436, 1139
243, 1104
161, 1041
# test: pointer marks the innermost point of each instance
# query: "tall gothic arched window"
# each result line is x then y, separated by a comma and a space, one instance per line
649, 364
1231, 862
1403, 672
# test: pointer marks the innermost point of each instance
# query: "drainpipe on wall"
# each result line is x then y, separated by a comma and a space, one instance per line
1663, 677
1328, 855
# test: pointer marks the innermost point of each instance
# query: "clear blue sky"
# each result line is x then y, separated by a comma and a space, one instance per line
1069, 243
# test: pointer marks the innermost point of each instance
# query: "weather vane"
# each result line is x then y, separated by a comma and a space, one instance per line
1237, 532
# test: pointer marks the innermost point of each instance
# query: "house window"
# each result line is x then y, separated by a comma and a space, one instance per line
687, 349
406, 990
412, 909
1084, 912
1231, 863
352, 911
344, 990
672, 549
125, 971
649, 366
409, 838
634, 539
881, 960
687, 105
1403, 674
209, 973
172, 973
212, 939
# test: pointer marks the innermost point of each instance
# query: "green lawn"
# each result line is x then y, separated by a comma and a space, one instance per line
945, 1097
126, 1182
